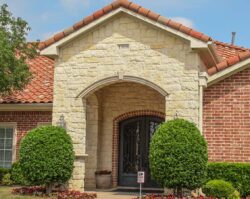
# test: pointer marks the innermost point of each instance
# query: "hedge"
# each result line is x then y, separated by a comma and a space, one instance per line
236, 173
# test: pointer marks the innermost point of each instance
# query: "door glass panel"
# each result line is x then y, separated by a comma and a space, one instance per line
131, 147
152, 127
136, 134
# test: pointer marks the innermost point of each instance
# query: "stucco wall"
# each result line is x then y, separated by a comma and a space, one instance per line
153, 54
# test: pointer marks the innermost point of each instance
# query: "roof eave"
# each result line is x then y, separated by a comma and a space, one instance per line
240, 66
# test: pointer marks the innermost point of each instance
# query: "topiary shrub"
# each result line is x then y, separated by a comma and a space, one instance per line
178, 155
47, 156
218, 189
17, 175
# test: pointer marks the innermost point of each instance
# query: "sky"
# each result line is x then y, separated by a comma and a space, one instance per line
216, 18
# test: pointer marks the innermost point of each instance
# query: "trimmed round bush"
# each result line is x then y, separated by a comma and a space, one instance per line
218, 189
47, 156
17, 175
178, 155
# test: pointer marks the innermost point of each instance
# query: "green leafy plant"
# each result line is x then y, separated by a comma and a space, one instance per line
218, 189
7, 179
15, 51
236, 173
235, 195
3, 171
17, 175
178, 155
47, 156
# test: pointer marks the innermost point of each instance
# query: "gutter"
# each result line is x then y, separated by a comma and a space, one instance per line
27, 107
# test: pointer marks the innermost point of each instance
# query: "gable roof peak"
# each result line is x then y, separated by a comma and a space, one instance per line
131, 7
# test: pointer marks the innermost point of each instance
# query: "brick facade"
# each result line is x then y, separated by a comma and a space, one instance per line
227, 118
25, 121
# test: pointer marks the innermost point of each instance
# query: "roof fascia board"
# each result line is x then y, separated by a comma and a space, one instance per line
27, 107
53, 49
228, 72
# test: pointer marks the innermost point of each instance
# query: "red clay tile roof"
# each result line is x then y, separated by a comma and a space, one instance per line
226, 51
40, 89
230, 55
133, 7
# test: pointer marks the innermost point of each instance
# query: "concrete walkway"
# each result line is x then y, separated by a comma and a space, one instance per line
115, 195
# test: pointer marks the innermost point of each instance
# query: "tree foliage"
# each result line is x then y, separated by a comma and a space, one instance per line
178, 155
47, 156
15, 51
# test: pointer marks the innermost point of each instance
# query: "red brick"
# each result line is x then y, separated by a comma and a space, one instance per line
25, 120
226, 118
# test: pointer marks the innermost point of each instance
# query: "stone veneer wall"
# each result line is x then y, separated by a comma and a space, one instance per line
153, 54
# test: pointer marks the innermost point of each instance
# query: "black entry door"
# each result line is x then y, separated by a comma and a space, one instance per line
135, 135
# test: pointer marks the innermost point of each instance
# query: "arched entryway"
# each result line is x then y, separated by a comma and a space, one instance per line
105, 109
135, 134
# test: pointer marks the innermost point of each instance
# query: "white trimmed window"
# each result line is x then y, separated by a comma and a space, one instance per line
7, 152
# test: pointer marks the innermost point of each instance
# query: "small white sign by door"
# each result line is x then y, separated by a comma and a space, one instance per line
141, 177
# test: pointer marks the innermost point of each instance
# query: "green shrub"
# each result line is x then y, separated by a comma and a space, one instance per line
178, 155
235, 195
3, 171
218, 189
236, 173
7, 179
17, 175
47, 156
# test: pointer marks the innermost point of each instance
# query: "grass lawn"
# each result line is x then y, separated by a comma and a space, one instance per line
5, 193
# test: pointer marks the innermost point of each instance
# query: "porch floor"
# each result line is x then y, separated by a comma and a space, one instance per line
114, 194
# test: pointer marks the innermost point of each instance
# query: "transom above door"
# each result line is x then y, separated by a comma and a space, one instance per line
135, 136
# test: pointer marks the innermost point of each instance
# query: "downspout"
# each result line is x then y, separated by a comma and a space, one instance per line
202, 84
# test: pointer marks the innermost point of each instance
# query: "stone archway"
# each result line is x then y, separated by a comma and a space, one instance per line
120, 78
105, 108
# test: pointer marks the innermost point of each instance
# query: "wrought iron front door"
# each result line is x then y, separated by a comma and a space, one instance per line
135, 135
